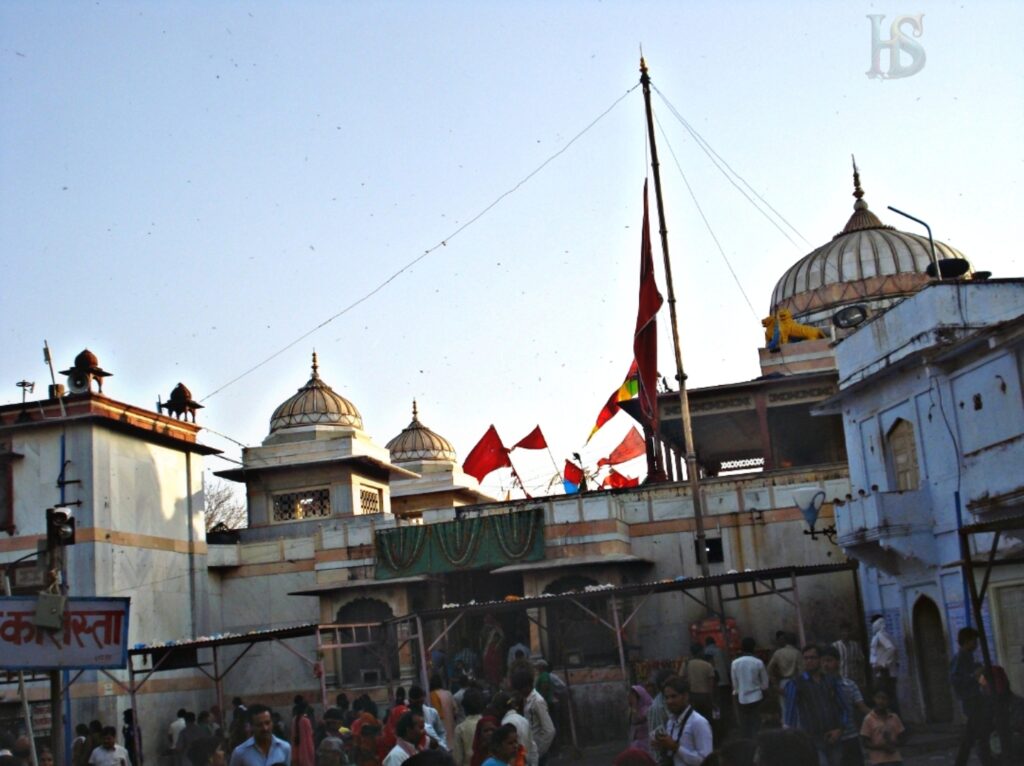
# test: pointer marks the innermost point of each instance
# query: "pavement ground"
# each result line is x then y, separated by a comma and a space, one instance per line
927, 746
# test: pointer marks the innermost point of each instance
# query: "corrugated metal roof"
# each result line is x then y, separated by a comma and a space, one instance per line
635, 589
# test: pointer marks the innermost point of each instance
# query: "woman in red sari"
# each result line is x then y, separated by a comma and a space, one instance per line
485, 727
493, 659
303, 750
389, 736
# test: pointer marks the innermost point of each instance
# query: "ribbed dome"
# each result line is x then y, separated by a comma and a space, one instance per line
866, 262
86, 360
417, 442
315, 404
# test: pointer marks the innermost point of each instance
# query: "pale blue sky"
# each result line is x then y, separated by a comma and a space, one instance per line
187, 187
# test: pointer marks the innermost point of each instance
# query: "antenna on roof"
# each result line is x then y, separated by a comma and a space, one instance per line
56, 389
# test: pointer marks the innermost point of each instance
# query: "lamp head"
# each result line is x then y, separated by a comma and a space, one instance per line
809, 501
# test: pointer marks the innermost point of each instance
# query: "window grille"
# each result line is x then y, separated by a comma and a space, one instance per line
369, 500
307, 504
743, 464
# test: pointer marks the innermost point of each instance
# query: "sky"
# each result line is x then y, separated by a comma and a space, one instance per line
444, 199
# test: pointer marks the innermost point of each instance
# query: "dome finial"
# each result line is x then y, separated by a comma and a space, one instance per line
415, 411
316, 367
857, 191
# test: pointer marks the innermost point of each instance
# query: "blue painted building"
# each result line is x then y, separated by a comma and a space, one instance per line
930, 393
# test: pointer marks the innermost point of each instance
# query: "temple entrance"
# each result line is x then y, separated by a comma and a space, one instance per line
366, 665
479, 645
932, 661
574, 637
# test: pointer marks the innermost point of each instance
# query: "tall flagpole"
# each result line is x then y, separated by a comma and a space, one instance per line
684, 400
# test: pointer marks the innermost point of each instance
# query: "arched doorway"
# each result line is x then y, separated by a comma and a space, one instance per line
367, 665
932, 661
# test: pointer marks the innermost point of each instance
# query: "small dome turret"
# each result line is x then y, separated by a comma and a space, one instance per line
315, 404
417, 442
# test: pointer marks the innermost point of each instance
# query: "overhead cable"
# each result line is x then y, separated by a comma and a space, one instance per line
443, 243
704, 218
718, 162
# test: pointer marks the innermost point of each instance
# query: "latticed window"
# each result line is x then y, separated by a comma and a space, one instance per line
307, 504
370, 500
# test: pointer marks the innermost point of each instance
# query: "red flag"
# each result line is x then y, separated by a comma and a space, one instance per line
630, 447
533, 440
572, 473
645, 338
616, 480
488, 455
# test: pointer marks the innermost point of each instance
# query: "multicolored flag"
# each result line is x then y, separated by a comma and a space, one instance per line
572, 477
645, 337
533, 440
488, 455
623, 393
615, 480
630, 447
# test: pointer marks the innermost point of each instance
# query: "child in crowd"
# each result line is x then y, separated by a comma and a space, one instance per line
882, 731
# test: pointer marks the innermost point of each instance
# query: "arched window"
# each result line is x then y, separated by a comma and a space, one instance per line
904, 473
368, 665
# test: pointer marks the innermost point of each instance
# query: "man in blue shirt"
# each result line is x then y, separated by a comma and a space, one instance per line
262, 748
815, 704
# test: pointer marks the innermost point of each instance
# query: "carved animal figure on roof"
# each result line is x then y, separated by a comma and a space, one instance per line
781, 328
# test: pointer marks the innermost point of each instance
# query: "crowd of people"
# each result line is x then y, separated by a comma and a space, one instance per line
467, 723
803, 707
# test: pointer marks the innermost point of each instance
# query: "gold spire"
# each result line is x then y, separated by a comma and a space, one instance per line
857, 191
862, 218
415, 411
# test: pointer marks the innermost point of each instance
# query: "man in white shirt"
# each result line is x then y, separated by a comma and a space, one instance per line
749, 682
432, 723
687, 735
410, 731
535, 710
884, 659
173, 731
109, 753
512, 707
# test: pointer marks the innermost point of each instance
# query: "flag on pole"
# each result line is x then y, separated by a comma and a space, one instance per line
623, 393
645, 338
572, 476
630, 447
615, 480
533, 440
488, 455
